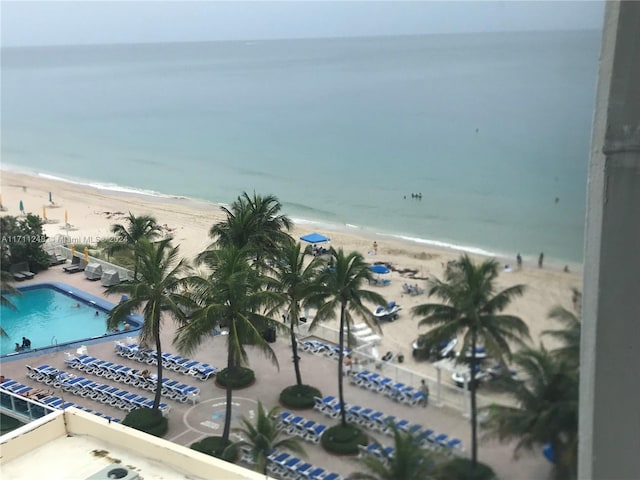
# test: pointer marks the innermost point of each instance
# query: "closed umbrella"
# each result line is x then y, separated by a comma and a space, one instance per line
21, 207
50, 198
86, 254
44, 214
66, 216
73, 251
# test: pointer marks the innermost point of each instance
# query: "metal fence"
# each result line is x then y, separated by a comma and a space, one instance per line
367, 358
21, 408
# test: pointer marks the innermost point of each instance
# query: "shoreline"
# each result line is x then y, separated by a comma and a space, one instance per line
371, 233
92, 212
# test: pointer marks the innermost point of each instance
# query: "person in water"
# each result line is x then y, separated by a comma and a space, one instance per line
26, 343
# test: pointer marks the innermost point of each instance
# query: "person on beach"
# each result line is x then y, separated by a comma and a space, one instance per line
347, 365
375, 247
540, 259
519, 261
424, 388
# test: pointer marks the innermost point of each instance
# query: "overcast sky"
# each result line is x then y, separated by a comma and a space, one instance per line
89, 22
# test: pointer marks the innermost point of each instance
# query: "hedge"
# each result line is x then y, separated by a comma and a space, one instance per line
299, 396
343, 440
8, 423
147, 420
213, 446
243, 377
462, 468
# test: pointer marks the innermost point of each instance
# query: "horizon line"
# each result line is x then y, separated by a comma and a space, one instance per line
279, 39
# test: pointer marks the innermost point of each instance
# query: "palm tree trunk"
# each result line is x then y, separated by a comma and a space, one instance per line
158, 393
294, 349
565, 463
343, 414
135, 264
227, 413
474, 412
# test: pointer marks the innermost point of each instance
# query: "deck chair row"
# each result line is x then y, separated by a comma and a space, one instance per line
46, 398
301, 427
87, 388
199, 370
376, 420
173, 389
321, 348
387, 386
287, 466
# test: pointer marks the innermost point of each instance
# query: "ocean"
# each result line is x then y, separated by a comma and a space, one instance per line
492, 129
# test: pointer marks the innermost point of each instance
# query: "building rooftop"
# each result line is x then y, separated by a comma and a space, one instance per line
75, 445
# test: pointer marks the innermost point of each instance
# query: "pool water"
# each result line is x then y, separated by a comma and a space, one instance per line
48, 317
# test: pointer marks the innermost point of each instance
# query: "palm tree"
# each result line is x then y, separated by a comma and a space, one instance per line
231, 296
7, 288
569, 336
130, 235
298, 282
159, 289
547, 410
342, 290
254, 222
472, 308
264, 437
409, 460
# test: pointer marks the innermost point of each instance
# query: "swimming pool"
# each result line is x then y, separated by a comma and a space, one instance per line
53, 315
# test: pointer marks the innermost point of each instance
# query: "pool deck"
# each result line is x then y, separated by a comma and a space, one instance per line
189, 423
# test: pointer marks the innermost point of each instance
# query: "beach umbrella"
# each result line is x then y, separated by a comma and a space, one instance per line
21, 207
73, 251
86, 254
379, 269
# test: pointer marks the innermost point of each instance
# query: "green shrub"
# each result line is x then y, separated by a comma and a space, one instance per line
343, 440
8, 423
242, 377
299, 396
147, 420
216, 448
462, 469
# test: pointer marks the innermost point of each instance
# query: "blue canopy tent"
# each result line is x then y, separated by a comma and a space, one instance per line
314, 238
379, 269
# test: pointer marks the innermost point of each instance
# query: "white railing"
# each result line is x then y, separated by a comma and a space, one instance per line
123, 273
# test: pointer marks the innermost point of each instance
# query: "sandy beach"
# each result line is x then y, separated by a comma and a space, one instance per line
91, 211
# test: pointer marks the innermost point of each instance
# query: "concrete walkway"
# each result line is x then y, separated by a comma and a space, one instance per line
189, 423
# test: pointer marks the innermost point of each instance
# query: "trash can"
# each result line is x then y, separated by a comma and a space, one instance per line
269, 334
